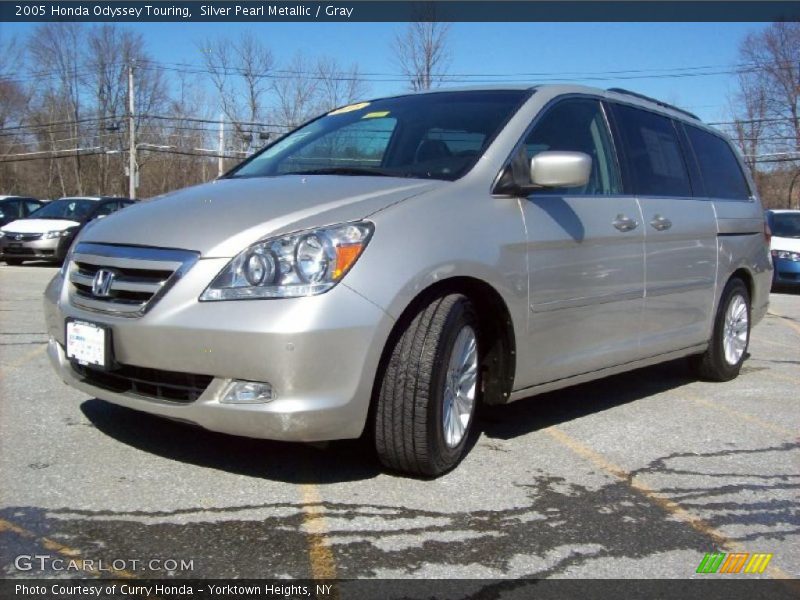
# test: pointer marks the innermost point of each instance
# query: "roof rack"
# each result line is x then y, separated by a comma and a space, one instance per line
653, 100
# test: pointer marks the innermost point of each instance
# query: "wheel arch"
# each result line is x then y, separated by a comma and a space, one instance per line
746, 277
497, 334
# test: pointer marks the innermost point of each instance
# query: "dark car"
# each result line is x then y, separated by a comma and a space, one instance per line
47, 233
17, 207
785, 247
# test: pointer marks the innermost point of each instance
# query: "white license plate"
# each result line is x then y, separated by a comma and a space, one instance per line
86, 343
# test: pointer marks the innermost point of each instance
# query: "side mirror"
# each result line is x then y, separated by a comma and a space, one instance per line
560, 169
550, 169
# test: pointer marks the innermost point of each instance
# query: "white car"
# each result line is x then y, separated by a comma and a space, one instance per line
47, 233
785, 247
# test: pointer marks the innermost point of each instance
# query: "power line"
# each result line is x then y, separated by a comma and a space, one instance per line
56, 123
34, 155
754, 121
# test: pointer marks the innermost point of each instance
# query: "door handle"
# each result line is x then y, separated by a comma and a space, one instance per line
660, 223
624, 223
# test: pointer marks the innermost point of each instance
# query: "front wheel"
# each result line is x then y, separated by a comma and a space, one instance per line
727, 348
429, 389
13, 262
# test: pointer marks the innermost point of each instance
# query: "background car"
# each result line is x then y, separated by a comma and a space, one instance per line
785, 247
47, 233
17, 207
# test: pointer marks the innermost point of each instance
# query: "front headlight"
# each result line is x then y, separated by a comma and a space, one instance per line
300, 264
2, 234
786, 255
50, 235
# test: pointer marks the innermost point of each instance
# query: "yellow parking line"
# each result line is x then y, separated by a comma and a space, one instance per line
47, 543
742, 416
26, 357
323, 565
669, 506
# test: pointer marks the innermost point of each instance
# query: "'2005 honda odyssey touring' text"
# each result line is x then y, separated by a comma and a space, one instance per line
392, 264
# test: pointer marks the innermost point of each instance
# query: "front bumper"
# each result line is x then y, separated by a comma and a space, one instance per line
319, 353
32, 250
787, 272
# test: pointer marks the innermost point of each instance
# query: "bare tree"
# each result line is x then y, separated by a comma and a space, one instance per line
421, 51
70, 90
242, 72
749, 111
766, 106
775, 56
56, 46
109, 51
338, 86
296, 92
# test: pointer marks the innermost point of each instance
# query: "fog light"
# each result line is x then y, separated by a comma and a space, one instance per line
248, 392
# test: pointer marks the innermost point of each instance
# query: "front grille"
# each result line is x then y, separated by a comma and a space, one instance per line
151, 383
789, 276
22, 237
28, 251
134, 276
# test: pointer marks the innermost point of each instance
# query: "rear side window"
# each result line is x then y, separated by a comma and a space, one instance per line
721, 172
653, 153
106, 209
13, 209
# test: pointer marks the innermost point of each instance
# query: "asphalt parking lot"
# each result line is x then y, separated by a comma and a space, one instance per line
637, 475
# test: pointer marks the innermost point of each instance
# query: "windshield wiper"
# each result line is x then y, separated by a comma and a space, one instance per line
343, 171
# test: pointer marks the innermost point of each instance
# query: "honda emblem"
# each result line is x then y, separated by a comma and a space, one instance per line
101, 284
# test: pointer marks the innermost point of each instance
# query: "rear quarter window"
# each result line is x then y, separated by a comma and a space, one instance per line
655, 161
721, 171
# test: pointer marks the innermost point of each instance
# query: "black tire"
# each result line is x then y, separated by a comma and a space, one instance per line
712, 364
408, 423
14, 262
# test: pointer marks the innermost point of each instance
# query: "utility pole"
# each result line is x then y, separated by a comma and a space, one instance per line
132, 174
221, 160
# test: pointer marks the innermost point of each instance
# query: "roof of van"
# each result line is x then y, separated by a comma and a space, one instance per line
619, 94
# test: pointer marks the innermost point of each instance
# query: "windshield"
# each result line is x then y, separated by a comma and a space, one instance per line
439, 135
66, 208
786, 225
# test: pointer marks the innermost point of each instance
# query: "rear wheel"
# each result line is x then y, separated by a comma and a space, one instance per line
727, 348
429, 389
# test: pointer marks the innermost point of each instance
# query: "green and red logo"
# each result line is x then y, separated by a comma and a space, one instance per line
737, 562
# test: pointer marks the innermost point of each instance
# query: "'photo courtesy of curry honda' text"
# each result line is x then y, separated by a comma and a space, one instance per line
389, 267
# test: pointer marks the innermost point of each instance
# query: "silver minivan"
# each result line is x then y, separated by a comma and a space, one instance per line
389, 266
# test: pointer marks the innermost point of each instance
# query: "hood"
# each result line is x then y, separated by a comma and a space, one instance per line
784, 243
39, 225
222, 218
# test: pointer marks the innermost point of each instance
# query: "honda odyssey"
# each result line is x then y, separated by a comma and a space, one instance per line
392, 264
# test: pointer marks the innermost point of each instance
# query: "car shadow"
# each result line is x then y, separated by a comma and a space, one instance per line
339, 461
40, 264
354, 460
553, 408
789, 290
